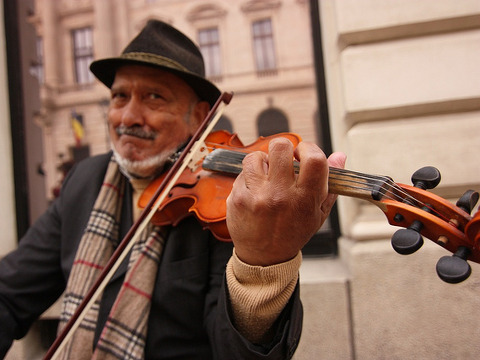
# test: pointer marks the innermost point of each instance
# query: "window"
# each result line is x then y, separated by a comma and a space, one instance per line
36, 66
272, 121
82, 54
263, 47
209, 42
224, 123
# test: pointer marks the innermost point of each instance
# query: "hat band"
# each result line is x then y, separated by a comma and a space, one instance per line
154, 59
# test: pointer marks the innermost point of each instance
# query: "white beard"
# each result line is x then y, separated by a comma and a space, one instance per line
147, 168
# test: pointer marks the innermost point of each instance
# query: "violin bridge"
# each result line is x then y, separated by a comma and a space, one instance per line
198, 156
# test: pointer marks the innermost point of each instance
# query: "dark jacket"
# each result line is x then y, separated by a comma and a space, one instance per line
189, 318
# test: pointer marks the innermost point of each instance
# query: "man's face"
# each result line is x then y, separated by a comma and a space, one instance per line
152, 112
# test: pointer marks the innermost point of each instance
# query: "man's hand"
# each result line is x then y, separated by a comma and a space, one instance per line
271, 211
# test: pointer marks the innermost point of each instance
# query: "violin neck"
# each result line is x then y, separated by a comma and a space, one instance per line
340, 181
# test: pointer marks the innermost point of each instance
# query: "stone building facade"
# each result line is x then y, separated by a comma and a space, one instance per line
286, 86
403, 90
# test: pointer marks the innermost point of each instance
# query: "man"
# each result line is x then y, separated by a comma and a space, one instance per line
180, 293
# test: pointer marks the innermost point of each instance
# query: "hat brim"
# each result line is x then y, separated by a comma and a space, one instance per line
105, 70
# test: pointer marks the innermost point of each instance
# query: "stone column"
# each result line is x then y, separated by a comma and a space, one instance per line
104, 30
7, 210
50, 44
122, 25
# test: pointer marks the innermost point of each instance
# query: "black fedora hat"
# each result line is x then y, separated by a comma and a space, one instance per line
161, 45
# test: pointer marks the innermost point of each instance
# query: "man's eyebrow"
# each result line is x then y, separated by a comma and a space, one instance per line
117, 87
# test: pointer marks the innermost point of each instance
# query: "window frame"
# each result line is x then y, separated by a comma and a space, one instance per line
211, 52
82, 49
263, 43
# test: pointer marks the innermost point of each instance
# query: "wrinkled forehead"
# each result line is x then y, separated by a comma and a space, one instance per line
153, 78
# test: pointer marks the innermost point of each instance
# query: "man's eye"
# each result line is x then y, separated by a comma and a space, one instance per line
154, 96
118, 95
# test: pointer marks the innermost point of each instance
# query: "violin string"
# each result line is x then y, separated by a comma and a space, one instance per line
351, 179
392, 190
348, 175
375, 181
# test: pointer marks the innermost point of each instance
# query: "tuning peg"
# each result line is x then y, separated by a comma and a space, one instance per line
427, 177
454, 269
468, 201
407, 241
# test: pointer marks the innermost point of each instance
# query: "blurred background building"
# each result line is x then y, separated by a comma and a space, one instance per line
394, 84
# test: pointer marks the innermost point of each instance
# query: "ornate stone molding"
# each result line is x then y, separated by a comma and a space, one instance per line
257, 5
207, 11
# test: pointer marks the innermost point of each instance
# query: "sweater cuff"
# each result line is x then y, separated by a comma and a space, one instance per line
259, 294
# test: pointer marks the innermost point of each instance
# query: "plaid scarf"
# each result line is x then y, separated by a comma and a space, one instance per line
124, 334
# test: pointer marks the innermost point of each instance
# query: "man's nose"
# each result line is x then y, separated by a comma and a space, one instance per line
133, 113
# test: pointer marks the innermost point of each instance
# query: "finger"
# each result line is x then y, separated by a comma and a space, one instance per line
255, 169
255, 164
313, 166
280, 160
337, 160
239, 182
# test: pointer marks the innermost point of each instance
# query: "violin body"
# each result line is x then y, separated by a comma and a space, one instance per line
203, 193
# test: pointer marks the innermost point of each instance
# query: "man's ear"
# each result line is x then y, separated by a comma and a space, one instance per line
199, 114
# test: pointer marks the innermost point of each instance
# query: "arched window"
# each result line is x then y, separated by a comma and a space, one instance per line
272, 121
224, 123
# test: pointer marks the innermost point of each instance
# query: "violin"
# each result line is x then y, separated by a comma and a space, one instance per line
202, 190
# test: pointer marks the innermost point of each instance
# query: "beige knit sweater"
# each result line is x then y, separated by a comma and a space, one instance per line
258, 294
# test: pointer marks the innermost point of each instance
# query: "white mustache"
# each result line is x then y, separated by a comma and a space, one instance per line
135, 131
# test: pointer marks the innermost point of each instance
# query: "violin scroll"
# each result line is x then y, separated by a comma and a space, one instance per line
441, 222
